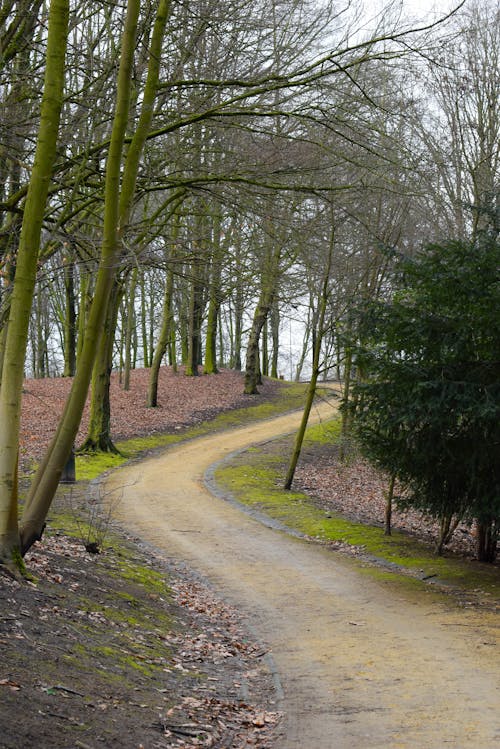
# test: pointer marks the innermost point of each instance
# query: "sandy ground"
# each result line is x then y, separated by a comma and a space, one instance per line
359, 663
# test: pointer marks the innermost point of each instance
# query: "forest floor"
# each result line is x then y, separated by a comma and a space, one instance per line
127, 648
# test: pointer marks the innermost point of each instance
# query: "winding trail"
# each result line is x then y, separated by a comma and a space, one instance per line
362, 664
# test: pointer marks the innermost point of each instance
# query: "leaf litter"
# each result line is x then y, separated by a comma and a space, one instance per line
92, 657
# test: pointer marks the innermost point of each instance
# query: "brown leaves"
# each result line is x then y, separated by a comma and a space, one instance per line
13, 685
209, 722
183, 401
128, 661
357, 490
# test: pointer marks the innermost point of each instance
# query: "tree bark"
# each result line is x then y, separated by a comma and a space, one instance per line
389, 496
99, 433
69, 317
318, 326
214, 301
24, 281
252, 368
47, 477
164, 339
487, 540
129, 329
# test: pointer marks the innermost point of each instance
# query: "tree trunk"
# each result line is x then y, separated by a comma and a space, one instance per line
47, 477
238, 330
99, 433
305, 345
275, 335
214, 300
389, 495
210, 366
144, 327
194, 327
269, 284
69, 317
264, 368
447, 528
41, 335
346, 419
129, 329
487, 540
252, 368
164, 339
24, 282
83, 310
318, 325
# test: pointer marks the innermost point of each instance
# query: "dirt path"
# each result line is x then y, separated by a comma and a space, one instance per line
361, 666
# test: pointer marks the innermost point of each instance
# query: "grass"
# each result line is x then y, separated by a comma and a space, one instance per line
91, 465
255, 479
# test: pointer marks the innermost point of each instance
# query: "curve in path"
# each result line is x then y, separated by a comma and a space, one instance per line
362, 664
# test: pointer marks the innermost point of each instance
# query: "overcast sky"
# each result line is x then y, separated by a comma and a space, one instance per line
416, 9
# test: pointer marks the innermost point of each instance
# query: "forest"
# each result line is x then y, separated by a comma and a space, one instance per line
250, 185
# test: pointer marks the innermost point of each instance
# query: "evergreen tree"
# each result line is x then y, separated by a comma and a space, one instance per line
428, 408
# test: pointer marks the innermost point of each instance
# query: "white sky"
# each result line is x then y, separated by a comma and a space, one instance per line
414, 10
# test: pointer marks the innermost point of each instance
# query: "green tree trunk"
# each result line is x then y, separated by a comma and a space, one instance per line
117, 207
24, 282
47, 477
318, 326
99, 432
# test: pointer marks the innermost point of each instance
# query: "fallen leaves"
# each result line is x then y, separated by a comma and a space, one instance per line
357, 490
183, 401
13, 685
209, 722
200, 683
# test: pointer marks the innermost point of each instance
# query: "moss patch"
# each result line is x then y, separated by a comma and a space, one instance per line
255, 478
91, 465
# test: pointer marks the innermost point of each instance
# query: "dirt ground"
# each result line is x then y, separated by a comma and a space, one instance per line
125, 649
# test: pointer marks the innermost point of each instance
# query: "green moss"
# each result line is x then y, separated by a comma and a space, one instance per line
121, 660
255, 478
151, 580
324, 433
19, 565
91, 465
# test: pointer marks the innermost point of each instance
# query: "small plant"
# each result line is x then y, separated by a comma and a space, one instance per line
93, 514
